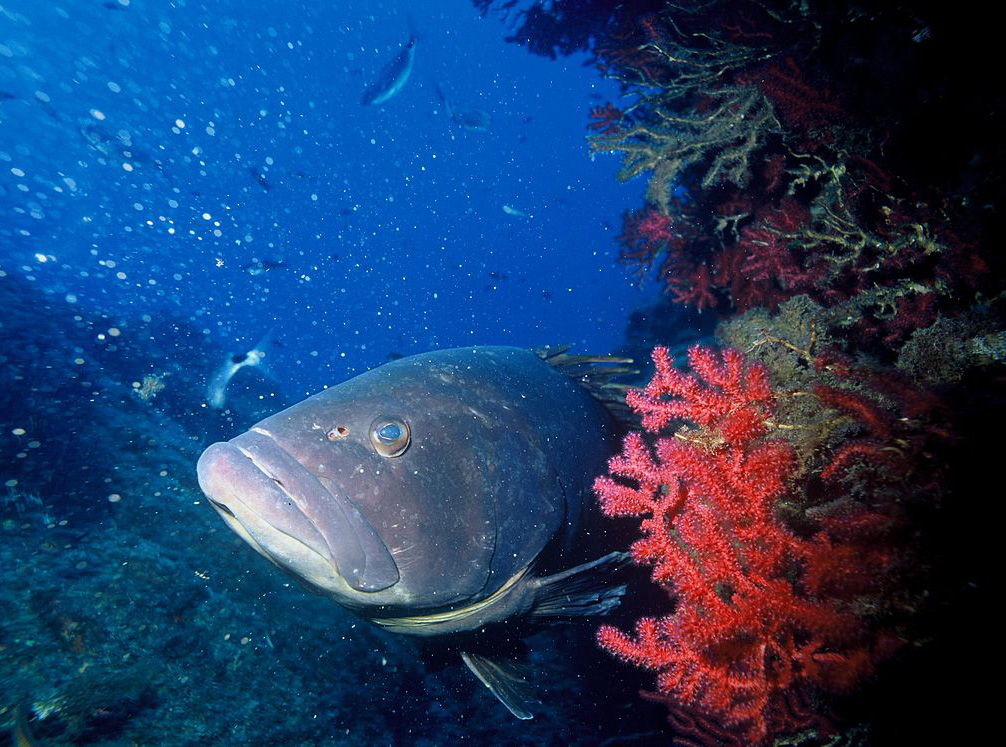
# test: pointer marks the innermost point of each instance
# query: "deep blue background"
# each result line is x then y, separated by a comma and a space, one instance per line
133, 144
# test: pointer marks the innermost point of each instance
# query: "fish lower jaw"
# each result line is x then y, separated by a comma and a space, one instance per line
310, 567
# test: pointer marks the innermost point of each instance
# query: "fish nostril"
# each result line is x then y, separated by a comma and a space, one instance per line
338, 433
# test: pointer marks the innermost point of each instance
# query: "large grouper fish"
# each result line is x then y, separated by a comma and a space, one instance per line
437, 495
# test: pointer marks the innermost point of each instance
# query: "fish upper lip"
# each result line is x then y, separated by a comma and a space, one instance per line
352, 543
229, 475
264, 468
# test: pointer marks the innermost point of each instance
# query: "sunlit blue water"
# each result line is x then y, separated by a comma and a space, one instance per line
152, 152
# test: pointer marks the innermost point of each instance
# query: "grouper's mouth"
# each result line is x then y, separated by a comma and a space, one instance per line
283, 511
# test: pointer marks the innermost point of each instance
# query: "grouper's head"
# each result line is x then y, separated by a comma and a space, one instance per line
275, 488
384, 492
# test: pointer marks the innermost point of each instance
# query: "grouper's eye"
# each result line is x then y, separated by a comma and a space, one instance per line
390, 436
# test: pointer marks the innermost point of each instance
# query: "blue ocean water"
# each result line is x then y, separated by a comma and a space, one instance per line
181, 181
154, 152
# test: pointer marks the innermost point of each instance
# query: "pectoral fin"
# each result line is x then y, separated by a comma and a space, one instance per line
587, 589
506, 679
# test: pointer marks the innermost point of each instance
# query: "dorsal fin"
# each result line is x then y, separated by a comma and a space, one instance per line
595, 373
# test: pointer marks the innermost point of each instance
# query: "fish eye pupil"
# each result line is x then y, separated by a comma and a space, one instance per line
390, 436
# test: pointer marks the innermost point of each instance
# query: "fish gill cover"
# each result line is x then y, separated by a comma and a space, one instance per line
201, 223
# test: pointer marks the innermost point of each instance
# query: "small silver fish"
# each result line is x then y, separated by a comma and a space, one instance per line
216, 389
514, 212
393, 76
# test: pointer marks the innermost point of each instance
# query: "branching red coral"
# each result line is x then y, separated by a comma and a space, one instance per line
858, 406
750, 627
769, 257
650, 237
646, 234
802, 105
719, 390
606, 119
696, 291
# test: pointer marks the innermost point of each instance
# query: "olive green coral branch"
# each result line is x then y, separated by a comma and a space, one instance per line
723, 139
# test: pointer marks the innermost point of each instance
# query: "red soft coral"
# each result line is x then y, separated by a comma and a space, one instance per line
747, 633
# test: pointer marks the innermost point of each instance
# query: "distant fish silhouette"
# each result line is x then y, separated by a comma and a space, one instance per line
473, 120
216, 390
261, 266
102, 141
514, 212
393, 76
259, 178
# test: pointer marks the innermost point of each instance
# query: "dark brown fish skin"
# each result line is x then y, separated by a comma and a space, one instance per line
503, 452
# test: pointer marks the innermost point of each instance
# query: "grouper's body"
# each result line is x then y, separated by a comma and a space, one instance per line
434, 495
